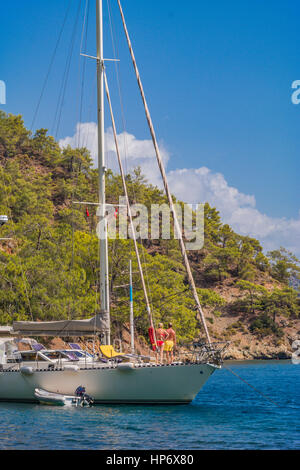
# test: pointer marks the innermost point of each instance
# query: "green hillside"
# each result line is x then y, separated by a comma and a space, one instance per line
50, 268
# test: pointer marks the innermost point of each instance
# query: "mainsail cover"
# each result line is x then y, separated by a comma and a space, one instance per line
86, 327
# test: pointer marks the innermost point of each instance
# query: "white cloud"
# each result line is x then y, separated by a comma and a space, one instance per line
134, 152
194, 186
85, 136
237, 209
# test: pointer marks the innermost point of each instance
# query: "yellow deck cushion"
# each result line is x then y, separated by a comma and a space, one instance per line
109, 352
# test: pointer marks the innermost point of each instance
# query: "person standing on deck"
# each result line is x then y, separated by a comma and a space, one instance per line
170, 343
161, 337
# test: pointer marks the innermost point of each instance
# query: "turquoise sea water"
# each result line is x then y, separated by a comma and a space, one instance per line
226, 414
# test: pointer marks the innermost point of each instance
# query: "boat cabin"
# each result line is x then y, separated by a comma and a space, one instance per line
50, 355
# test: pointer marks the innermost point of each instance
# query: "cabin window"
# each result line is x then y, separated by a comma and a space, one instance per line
52, 354
29, 357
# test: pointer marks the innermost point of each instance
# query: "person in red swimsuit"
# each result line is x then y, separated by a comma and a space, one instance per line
161, 337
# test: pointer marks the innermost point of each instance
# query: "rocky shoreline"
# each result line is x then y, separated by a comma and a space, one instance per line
242, 347
267, 353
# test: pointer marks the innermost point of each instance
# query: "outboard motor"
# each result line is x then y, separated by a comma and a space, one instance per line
85, 399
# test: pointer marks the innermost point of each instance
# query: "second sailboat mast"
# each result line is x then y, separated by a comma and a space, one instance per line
104, 281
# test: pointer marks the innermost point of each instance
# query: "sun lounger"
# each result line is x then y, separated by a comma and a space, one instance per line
75, 346
38, 347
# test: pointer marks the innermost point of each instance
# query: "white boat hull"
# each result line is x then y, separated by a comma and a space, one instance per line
146, 384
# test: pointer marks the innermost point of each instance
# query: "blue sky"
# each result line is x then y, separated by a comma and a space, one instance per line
217, 76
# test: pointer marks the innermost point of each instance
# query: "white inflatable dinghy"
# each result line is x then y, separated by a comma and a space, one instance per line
50, 398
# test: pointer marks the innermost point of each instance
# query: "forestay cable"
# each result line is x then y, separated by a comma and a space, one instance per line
115, 55
251, 386
165, 182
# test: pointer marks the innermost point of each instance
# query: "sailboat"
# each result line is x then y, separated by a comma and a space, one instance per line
133, 379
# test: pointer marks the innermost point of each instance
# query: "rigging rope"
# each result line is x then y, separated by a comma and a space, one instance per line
117, 71
251, 386
165, 182
50, 66
84, 29
60, 103
129, 209
73, 163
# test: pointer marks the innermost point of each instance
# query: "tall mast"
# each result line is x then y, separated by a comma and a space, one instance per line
104, 282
